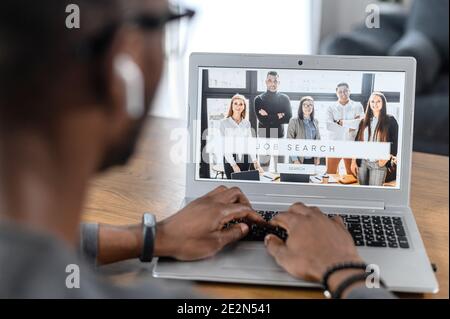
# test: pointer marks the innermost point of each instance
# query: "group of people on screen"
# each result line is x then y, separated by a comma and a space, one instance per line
346, 120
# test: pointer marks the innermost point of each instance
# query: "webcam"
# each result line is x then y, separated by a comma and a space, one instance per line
300, 62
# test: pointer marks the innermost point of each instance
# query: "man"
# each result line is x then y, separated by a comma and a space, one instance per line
273, 109
65, 114
342, 123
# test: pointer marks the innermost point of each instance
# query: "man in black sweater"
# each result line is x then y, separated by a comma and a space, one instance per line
273, 109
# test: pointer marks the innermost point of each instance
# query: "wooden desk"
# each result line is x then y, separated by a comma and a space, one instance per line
152, 183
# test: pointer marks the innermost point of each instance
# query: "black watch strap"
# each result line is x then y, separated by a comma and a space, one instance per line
148, 236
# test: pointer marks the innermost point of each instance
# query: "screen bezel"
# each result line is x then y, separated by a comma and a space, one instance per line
391, 197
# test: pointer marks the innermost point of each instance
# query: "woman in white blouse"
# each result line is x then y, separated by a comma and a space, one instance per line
235, 125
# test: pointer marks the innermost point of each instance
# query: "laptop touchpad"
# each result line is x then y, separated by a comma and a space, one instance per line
248, 255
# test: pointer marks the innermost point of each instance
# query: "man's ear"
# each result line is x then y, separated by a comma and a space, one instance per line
133, 84
124, 80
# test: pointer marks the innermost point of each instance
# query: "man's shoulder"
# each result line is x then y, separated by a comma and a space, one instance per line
39, 266
356, 104
35, 265
332, 106
284, 96
258, 100
260, 96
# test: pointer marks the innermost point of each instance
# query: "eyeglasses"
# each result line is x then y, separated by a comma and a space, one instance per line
176, 29
175, 25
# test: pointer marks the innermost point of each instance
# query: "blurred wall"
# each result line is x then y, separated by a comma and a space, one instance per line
340, 15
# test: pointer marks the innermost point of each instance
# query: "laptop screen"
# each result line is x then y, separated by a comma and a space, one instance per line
322, 127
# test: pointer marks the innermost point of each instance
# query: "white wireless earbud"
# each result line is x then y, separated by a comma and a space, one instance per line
133, 79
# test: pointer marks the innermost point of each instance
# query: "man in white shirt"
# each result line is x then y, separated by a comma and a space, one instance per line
343, 119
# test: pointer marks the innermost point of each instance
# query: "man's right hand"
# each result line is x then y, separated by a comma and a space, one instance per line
314, 242
263, 112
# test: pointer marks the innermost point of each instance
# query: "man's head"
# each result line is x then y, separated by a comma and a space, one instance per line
343, 92
51, 75
272, 81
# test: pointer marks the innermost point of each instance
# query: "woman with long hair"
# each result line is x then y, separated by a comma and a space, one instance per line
304, 127
377, 126
236, 125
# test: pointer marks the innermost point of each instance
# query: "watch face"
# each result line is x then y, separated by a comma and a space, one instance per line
149, 219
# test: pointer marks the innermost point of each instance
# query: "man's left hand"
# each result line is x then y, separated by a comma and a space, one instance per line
197, 231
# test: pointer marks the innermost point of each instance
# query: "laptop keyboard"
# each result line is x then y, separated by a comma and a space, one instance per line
366, 230
376, 231
259, 232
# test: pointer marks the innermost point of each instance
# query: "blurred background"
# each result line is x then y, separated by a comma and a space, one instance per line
418, 28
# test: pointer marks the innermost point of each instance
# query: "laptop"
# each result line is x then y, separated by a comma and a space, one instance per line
295, 178
378, 215
252, 175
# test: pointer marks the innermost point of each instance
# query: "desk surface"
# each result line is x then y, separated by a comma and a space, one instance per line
151, 183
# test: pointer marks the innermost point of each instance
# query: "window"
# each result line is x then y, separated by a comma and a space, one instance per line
251, 26
237, 26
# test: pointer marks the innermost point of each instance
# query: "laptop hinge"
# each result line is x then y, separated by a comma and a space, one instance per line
286, 200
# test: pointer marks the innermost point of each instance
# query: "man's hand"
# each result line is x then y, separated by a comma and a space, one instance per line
263, 112
280, 115
197, 232
314, 242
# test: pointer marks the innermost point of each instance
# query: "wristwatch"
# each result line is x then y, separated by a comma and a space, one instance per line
148, 236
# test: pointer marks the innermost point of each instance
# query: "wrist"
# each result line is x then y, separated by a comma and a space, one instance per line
336, 274
162, 241
340, 276
116, 243
136, 250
